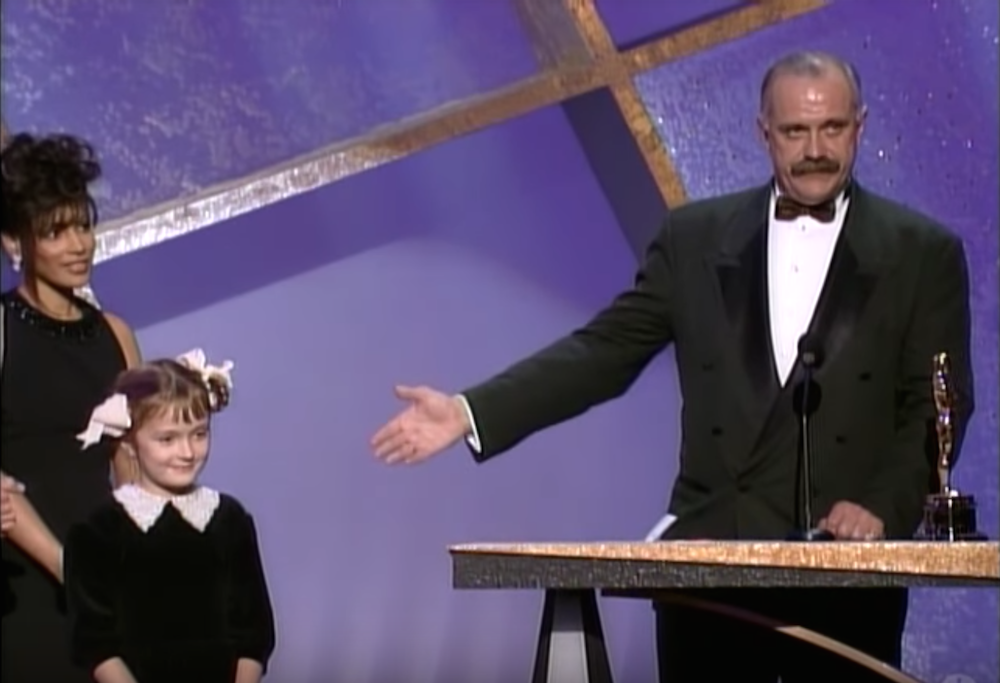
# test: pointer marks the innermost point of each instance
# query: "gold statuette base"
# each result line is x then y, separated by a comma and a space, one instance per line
950, 517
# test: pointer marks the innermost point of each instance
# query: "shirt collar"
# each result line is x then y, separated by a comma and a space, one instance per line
144, 508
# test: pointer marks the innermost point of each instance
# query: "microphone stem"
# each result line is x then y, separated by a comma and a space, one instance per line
806, 456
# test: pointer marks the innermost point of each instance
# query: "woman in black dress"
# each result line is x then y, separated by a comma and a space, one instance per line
60, 356
165, 583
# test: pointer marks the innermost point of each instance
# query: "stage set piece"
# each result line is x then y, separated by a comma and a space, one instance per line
571, 645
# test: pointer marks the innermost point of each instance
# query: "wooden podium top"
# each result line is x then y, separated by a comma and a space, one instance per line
672, 564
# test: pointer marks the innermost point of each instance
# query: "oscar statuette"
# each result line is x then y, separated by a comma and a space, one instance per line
949, 515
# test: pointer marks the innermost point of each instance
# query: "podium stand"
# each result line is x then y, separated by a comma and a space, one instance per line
571, 645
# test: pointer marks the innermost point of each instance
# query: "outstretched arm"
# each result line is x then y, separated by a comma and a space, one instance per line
594, 364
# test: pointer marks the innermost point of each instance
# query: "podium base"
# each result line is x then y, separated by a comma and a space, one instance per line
812, 535
571, 645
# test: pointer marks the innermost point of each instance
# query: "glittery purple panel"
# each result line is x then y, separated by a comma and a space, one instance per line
630, 21
618, 165
178, 96
930, 77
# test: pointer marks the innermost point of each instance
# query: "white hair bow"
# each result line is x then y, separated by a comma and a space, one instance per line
195, 360
110, 418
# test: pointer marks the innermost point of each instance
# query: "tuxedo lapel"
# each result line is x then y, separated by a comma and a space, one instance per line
858, 261
741, 270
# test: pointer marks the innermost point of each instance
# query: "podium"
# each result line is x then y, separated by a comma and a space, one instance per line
571, 646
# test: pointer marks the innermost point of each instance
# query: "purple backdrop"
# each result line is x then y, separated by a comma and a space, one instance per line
184, 95
634, 21
355, 551
446, 266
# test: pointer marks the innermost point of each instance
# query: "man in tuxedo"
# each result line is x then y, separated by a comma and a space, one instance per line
734, 282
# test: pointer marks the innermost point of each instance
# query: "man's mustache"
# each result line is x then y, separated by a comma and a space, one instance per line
820, 165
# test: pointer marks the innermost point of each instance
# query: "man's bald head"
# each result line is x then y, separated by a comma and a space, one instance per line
813, 64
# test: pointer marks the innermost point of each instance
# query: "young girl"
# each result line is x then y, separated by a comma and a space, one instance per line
165, 584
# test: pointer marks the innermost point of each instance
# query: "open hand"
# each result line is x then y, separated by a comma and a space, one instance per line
849, 521
431, 423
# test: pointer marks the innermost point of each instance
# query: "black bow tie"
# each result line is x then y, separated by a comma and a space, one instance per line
787, 209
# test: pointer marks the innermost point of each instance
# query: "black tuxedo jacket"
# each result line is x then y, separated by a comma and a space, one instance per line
895, 295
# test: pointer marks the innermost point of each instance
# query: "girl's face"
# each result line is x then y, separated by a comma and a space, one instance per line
171, 452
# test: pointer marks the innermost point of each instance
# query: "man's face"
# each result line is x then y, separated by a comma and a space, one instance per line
811, 126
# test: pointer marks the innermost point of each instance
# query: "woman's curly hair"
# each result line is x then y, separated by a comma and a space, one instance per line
45, 184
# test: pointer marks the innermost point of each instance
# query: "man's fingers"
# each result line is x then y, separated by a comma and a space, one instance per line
850, 521
405, 454
407, 393
390, 431
860, 527
842, 522
390, 445
835, 519
870, 529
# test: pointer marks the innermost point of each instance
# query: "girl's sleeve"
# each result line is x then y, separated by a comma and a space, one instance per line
91, 571
251, 618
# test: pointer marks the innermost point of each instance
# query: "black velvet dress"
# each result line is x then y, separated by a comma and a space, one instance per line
54, 373
174, 601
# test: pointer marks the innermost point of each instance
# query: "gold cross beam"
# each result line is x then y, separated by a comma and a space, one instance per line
620, 68
577, 56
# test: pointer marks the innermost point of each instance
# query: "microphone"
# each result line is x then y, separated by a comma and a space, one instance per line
805, 402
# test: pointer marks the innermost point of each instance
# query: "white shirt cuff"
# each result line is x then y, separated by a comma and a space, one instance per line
664, 523
473, 437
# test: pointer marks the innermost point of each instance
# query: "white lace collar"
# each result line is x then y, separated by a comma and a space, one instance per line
197, 507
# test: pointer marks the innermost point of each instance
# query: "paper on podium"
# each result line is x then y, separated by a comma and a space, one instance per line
665, 522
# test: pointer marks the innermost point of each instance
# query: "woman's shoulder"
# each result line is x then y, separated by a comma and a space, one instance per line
125, 337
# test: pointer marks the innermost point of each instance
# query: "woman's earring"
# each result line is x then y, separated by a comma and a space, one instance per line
15, 262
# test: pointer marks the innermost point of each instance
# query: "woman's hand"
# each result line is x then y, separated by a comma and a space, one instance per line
8, 487
26, 529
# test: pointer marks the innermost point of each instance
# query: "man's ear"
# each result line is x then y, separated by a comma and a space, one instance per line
763, 132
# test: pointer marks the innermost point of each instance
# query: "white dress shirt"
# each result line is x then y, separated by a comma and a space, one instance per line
799, 253
798, 260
